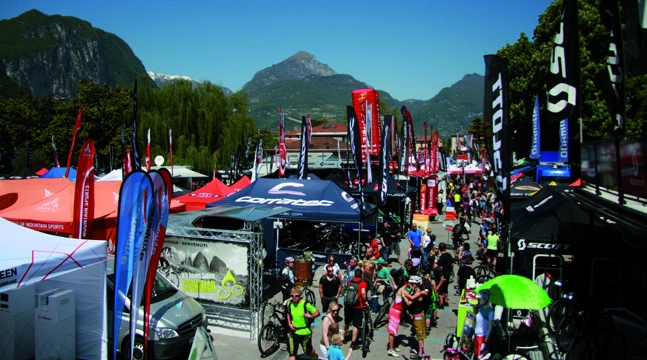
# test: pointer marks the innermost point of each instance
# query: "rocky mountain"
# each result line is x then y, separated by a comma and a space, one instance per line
161, 79
49, 54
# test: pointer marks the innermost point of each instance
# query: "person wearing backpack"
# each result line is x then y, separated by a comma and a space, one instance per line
300, 314
354, 305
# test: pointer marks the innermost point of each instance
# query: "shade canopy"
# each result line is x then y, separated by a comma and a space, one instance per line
516, 292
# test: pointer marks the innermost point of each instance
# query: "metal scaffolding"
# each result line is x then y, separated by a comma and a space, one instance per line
228, 316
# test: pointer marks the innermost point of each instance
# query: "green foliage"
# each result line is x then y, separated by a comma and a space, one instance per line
203, 119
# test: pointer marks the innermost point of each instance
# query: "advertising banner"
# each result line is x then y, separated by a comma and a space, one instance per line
212, 271
367, 109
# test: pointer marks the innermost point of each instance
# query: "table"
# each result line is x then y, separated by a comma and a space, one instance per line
464, 307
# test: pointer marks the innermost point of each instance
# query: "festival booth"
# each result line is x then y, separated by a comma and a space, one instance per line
54, 213
52, 296
29, 191
215, 190
522, 187
59, 172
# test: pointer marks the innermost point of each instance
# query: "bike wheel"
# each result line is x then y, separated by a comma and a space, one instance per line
332, 247
381, 318
556, 313
481, 270
567, 333
515, 356
266, 312
268, 339
310, 297
365, 334
174, 278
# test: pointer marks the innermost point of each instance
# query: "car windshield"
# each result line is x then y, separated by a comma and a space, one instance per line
162, 289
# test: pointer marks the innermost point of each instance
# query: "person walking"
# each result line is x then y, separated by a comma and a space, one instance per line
300, 313
353, 312
329, 287
446, 263
387, 240
492, 249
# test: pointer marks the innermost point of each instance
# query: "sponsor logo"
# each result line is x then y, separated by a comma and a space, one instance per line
522, 245
497, 134
558, 67
616, 77
534, 150
50, 206
563, 140
7, 273
278, 189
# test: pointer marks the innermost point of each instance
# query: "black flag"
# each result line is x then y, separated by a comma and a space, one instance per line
635, 37
135, 158
613, 74
356, 148
385, 158
564, 76
303, 155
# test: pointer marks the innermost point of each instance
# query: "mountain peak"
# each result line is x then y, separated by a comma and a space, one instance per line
297, 67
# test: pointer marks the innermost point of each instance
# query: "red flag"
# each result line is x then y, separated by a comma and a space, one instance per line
148, 150
75, 134
84, 193
309, 127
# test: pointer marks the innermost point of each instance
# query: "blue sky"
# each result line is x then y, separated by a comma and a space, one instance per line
410, 48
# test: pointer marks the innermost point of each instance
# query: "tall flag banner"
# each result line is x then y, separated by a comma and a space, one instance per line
135, 201
366, 106
369, 167
403, 148
84, 193
112, 156
56, 163
426, 151
303, 154
170, 148
535, 145
385, 159
282, 149
148, 150
258, 157
309, 127
563, 141
75, 135
433, 155
442, 161
153, 251
354, 137
128, 162
564, 77
274, 158
635, 36
339, 153
248, 147
614, 79
135, 154
409, 142
124, 156
237, 164
496, 120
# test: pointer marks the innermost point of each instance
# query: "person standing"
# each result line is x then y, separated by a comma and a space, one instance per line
395, 313
287, 278
464, 273
440, 199
387, 240
350, 270
335, 352
369, 269
417, 312
329, 327
446, 263
414, 236
336, 270
492, 249
354, 313
299, 315
329, 287
483, 328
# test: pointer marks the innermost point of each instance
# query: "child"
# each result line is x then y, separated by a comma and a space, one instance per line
334, 352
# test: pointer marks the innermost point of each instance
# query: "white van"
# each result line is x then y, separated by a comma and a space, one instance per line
175, 317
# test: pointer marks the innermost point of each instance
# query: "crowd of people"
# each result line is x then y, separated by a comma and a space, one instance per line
420, 286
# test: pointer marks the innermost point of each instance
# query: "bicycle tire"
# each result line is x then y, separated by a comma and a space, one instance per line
556, 313
382, 314
333, 248
266, 311
310, 297
365, 322
268, 339
515, 356
481, 270
174, 278
566, 333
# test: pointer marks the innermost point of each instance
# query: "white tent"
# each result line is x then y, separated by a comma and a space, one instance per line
47, 262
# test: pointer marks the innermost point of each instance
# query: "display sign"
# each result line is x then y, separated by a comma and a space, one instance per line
367, 110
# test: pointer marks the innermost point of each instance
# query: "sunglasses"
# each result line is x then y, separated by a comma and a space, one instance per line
329, 270
296, 296
334, 310
331, 259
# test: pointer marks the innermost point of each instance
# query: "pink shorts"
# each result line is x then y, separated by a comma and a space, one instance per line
394, 320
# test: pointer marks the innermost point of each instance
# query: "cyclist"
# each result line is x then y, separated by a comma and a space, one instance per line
299, 315
287, 278
329, 287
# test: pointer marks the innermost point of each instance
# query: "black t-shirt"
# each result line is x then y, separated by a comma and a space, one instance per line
329, 287
386, 235
458, 231
464, 273
445, 261
438, 273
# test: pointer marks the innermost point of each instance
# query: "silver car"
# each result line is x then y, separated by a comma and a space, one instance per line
175, 317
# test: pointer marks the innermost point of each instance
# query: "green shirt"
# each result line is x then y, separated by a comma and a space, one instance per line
492, 242
297, 313
384, 274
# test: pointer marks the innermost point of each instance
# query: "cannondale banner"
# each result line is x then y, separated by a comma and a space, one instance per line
564, 76
367, 110
613, 74
282, 149
496, 122
355, 146
303, 154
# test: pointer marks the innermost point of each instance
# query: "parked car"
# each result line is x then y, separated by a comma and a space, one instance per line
174, 322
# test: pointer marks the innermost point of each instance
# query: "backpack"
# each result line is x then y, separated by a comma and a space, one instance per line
427, 284
352, 294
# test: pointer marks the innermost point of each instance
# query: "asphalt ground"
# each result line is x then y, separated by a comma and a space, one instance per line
230, 345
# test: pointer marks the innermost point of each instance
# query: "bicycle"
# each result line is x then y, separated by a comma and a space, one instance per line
308, 294
560, 309
366, 331
168, 269
580, 336
274, 331
485, 269
381, 318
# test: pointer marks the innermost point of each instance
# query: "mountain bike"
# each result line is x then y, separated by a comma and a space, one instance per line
563, 307
308, 294
485, 269
382, 318
275, 330
366, 331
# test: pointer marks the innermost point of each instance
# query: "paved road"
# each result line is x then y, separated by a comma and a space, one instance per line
236, 347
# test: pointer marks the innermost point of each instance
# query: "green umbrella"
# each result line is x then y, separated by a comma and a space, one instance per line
516, 292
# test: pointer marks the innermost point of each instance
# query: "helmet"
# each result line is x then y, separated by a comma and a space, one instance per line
415, 279
289, 259
484, 294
